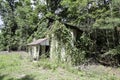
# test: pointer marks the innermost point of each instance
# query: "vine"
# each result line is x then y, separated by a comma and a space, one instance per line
63, 35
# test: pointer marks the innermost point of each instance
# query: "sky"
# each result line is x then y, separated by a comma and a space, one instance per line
1, 22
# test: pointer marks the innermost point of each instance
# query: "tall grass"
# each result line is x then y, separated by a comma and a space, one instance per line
10, 62
16, 64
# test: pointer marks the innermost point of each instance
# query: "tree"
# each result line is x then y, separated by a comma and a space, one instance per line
7, 12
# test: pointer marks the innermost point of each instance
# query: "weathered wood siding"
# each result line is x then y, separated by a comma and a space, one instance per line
35, 50
53, 48
55, 44
45, 43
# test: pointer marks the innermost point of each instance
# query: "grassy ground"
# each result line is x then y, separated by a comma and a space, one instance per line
17, 66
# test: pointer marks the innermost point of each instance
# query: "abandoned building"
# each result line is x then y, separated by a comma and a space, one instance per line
41, 46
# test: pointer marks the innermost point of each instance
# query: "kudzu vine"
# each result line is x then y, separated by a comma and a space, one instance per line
63, 35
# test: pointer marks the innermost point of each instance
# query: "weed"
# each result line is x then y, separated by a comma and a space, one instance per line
14, 66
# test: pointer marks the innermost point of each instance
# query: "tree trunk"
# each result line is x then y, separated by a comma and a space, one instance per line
116, 39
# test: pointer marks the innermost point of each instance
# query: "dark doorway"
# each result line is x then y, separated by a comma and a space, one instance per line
47, 50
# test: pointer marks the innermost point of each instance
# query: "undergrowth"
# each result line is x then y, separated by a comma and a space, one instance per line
13, 66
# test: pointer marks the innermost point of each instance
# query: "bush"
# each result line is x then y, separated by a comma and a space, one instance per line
46, 64
111, 58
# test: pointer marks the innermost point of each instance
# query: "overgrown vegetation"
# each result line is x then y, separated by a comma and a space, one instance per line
64, 38
99, 20
18, 67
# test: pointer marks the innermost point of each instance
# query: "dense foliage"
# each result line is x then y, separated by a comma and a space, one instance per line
28, 19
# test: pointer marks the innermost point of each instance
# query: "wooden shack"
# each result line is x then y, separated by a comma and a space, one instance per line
58, 49
38, 47
41, 46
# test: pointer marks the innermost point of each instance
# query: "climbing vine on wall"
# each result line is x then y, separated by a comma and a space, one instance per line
63, 35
